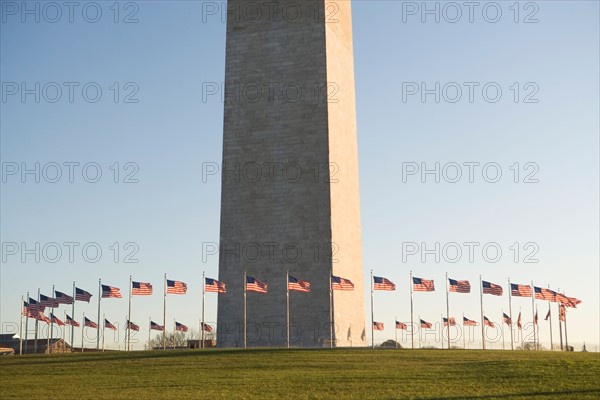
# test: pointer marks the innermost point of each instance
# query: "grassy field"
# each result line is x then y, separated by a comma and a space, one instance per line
303, 374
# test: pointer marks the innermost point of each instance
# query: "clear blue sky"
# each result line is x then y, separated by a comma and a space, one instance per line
170, 132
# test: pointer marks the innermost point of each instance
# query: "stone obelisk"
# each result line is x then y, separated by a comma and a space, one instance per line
290, 191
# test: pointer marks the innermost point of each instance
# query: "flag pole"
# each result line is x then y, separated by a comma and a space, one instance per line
73, 321
372, 315
245, 284
331, 307
533, 315
560, 328
481, 304
203, 300
36, 325
98, 328
447, 310
103, 327
287, 298
21, 326
412, 322
149, 333
512, 346
129, 317
566, 339
165, 313
64, 329
463, 333
536, 328
26, 322
419, 317
502, 330
395, 332
521, 335
550, 320
82, 329
51, 321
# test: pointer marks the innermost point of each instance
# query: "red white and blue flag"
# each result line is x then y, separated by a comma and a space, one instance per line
400, 325
254, 285
507, 319
56, 320
298, 285
469, 322
62, 298
338, 283
520, 290
71, 321
176, 287
425, 324
109, 292
35, 306
544, 294
215, 286
48, 301
141, 289
156, 327
108, 325
567, 301
452, 321
459, 286
82, 295
423, 285
519, 324
486, 321
133, 326
380, 283
378, 326
180, 327
89, 323
491, 288
207, 327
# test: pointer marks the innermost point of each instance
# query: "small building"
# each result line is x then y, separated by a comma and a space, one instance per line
44, 346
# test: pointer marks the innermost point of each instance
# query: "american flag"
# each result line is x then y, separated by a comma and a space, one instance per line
62, 298
562, 313
108, 325
378, 326
520, 290
25, 307
491, 288
426, 325
486, 321
41, 317
133, 326
459, 286
82, 295
380, 283
180, 327
338, 283
544, 294
56, 320
469, 322
48, 301
156, 327
298, 285
452, 321
176, 287
507, 319
207, 327
423, 285
35, 306
71, 321
547, 316
254, 285
141, 289
535, 318
213, 285
519, 324
89, 323
111, 292
400, 325
567, 301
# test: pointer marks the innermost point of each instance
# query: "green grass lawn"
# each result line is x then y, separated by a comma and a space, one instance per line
303, 374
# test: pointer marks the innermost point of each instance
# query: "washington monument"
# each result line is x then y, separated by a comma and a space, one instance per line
290, 192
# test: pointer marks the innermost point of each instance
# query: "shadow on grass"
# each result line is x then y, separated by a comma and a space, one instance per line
570, 393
